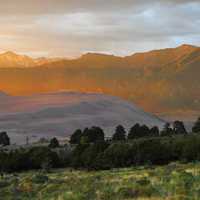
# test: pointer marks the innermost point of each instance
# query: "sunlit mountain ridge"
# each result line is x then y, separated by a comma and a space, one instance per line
162, 81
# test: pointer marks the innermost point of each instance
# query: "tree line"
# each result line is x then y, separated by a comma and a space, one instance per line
89, 149
90, 135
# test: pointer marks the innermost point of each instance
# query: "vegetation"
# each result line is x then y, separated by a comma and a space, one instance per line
26, 159
170, 182
196, 127
120, 134
144, 154
54, 143
88, 149
4, 139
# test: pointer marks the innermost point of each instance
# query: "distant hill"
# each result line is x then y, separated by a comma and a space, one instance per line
162, 81
59, 114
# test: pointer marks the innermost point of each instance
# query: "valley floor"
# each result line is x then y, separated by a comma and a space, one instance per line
170, 182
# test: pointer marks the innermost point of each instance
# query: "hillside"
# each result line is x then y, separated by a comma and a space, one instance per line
161, 81
59, 114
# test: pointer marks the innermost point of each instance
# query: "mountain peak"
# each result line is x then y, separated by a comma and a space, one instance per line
95, 55
187, 46
9, 53
11, 59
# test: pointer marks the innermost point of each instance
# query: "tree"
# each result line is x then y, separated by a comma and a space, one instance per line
179, 128
167, 130
196, 127
120, 134
92, 135
134, 132
39, 155
91, 155
154, 131
76, 137
4, 139
117, 155
99, 134
54, 143
144, 131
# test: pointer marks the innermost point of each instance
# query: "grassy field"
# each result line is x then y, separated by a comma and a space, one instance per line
171, 182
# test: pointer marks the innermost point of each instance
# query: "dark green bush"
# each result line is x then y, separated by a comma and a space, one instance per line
4, 184
40, 178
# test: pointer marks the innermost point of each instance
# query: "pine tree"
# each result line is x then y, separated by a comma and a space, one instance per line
196, 127
120, 134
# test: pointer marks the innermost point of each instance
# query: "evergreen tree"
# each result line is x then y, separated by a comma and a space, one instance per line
144, 131
196, 127
92, 135
76, 137
134, 132
154, 131
54, 143
179, 128
120, 134
167, 130
4, 139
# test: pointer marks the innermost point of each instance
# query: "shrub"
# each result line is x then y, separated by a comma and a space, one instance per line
128, 192
4, 184
40, 179
143, 182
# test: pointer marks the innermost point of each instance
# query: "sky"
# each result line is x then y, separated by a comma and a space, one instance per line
69, 28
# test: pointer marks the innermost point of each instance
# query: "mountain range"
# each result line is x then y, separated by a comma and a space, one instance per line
165, 82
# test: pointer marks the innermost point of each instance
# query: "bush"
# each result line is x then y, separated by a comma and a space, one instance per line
38, 155
128, 192
40, 179
143, 182
4, 184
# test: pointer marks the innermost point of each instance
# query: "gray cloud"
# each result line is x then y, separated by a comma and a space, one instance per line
66, 6
67, 27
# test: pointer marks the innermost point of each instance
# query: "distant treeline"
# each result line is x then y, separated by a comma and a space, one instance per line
88, 149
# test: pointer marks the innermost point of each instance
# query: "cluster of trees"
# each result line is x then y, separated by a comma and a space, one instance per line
154, 151
90, 135
142, 145
90, 150
26, 159
105, 154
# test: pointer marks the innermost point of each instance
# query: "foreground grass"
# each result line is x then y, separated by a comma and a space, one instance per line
171, 182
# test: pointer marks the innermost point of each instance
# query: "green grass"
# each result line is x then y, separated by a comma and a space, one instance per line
171, 182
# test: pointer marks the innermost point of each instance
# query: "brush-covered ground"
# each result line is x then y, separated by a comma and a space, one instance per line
171, 182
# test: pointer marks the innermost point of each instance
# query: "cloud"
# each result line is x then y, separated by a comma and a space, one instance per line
66, 6
67, 27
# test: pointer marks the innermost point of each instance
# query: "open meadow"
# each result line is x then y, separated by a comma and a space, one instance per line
171, 182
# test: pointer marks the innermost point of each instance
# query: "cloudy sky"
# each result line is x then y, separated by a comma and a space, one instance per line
72, 27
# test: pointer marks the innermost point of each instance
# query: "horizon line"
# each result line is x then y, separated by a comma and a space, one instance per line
92, 52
